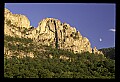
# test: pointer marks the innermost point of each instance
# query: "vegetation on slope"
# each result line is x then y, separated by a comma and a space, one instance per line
84, 65
109, 52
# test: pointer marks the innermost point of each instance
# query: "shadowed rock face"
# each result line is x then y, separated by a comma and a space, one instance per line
50, 31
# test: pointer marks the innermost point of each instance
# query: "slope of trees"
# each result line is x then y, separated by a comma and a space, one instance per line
109, 52
84, 65
56, 68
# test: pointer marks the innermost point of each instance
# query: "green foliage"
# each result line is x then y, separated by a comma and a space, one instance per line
109, 52
56, 68
83, 65
9, 42
17, 39
8, 22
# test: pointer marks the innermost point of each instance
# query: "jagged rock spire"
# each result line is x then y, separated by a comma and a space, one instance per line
50, 31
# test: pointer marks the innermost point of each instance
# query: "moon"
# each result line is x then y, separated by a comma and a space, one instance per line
100, 39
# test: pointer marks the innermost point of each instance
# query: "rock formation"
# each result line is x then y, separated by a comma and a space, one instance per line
17, 20
96, 51
50, 32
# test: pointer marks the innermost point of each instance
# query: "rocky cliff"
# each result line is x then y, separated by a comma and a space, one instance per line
50, 32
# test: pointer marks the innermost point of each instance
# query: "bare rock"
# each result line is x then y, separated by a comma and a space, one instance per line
17, 20
95, 51
50, 31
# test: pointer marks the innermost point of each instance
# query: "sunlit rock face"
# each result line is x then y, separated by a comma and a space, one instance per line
63, 36
17, 20
50, 32
96, 51
15, 23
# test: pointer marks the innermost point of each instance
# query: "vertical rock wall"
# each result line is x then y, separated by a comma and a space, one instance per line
50, 31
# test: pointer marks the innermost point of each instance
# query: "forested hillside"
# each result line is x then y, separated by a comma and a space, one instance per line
48, 62
51, 50
109, 52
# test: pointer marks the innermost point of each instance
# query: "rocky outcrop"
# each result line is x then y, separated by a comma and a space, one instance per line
50, 32
62, 35
95, 51
16, 20
14, 24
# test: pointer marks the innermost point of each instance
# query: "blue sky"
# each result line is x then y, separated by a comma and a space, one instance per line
96, 21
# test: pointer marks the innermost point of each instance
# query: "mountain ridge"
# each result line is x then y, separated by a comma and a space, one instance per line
50, 32
49, 51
